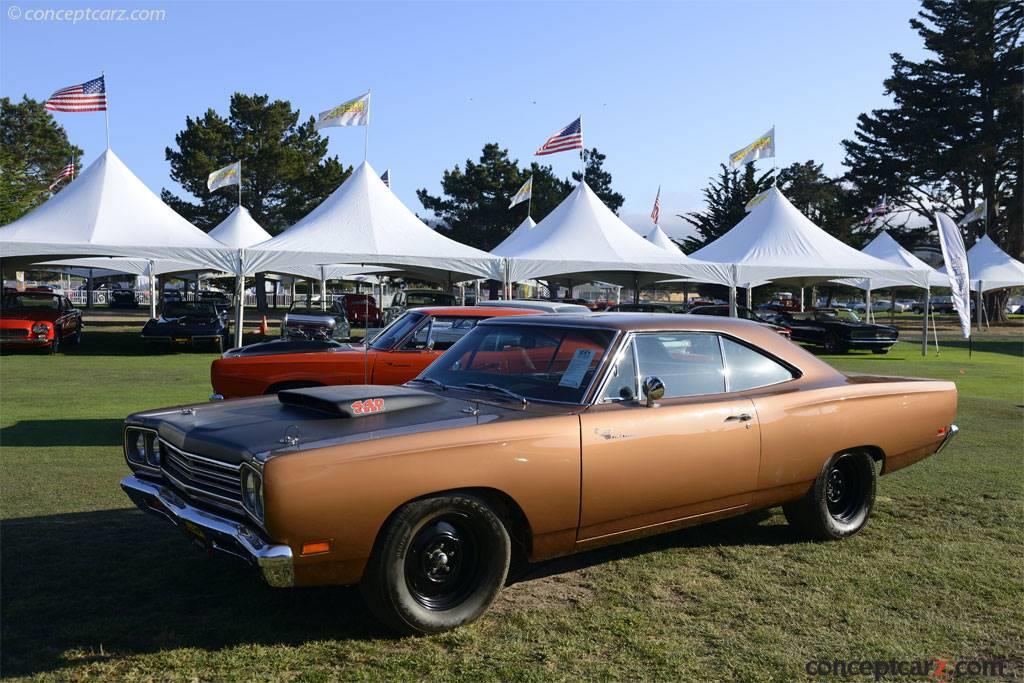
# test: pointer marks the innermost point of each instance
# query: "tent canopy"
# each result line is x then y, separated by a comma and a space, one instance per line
658, 237
239, 230
508, 245
991, 267
365, 224
777, 242
583, 239
108, 211
886, 248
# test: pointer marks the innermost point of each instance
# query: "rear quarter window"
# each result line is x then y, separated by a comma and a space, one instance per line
748, 368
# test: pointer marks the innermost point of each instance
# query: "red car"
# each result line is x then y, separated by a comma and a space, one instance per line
39, 320
360, 309
397, 354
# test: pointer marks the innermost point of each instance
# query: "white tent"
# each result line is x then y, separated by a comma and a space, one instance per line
991, 268
657, 236
777, 242
239, 230
363, 223
886, 248
519, 235
108, 211
583, 239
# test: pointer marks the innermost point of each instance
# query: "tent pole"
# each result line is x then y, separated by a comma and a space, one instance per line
732, 301
935, 335
979, 305
636, 288
750, 297
801, 301
868, 311
239, 299
88, 290
152, 291
323, 289
924, 330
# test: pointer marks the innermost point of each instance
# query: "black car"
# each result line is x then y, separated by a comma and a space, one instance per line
741, 312
836, 329
122, 298
186, 323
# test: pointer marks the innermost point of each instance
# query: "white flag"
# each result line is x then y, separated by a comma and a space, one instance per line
976, 214
760, 148
355, 112
525, 192
955, 256
229, 175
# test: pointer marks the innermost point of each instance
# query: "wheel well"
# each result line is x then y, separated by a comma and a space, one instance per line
281, 386
876, 453
504, 506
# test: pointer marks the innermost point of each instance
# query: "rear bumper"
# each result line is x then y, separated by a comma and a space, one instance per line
214, 532
950, 435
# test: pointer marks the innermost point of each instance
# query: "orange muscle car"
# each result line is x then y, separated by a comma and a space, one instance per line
39, 319
397, 354
531, 437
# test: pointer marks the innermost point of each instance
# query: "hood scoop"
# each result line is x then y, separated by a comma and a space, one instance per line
360, 400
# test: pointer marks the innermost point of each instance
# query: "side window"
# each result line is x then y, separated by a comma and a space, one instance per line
621, 385
689, 363
749, 369
421, 338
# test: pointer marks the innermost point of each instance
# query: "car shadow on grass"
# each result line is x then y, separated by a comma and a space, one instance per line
71, 432
96, 586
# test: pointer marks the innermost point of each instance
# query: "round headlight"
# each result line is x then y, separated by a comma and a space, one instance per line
135, 448
153, 456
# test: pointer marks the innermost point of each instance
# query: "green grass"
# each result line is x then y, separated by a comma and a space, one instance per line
92, 588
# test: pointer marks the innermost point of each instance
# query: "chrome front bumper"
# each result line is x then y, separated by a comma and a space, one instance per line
213, 531
950, 435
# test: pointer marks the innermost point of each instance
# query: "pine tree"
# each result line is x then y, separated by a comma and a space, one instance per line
725, 197
954, 135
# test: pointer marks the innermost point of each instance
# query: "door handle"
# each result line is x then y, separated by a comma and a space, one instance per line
742, 417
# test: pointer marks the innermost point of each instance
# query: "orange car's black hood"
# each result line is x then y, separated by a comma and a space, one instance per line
255, 428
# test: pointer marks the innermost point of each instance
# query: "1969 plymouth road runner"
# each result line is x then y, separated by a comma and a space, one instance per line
531, 437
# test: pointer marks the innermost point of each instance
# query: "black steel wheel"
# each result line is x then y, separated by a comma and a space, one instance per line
840, 500
438, 563
833, 344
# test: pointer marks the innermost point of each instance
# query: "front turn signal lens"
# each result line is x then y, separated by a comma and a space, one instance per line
316, 547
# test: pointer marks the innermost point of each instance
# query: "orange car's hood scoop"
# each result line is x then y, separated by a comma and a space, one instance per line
359, 400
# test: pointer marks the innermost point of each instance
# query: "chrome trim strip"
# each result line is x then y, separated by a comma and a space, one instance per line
222, 534
950, 435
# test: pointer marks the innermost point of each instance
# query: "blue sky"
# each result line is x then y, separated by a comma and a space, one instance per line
666, 89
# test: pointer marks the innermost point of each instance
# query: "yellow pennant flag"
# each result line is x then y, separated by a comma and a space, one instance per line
229, 175
760, 148
525, 192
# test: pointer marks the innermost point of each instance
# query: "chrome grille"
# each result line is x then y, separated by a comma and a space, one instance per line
13, 333
218, 482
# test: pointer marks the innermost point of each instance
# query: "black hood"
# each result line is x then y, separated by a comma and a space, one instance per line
255, 428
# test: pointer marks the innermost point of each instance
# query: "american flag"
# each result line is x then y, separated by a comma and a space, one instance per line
878, 209
65, 172
656, 212
386, 178
570, 137
89, 96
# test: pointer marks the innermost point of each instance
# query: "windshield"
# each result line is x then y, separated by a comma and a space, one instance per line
396, 331
542, 363
185, 310
28, 300
429, 299
841, 314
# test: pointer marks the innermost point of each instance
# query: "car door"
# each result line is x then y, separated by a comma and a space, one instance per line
696, 453
806, 329
409, 357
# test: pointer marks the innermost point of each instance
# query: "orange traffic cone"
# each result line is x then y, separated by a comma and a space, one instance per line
264, 329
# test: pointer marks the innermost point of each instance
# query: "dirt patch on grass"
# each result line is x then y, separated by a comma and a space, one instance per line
555, 591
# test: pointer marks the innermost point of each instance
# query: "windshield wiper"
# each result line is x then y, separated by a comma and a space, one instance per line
495, 388
429, 380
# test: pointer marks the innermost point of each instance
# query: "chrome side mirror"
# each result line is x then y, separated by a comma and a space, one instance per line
654, 390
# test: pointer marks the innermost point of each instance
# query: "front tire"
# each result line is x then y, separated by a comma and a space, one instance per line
840, 501
881, 351
833, 344
55, 344
438, 564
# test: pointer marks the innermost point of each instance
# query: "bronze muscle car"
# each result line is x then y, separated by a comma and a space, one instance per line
532, 437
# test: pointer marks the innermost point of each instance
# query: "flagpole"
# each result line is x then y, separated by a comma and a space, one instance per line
366, 132
775, 158
240, 186
106, 107
529, 200
583, 163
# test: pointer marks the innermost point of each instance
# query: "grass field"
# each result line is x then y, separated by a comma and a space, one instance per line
92, 588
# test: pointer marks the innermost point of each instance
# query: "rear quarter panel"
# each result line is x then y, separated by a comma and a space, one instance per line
345, 493
802, 428
253, 375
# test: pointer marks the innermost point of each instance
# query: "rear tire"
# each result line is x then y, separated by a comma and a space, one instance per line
840, 501
833, 344
55, 344
437, 564
77, 339
880, 351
